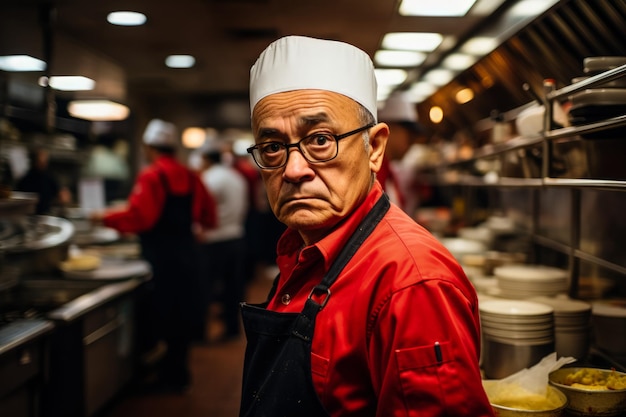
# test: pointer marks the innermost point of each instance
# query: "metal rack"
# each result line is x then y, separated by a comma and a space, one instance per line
543, 179
581, 259
546, 139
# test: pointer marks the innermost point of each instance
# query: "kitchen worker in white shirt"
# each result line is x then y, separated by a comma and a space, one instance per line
224, 248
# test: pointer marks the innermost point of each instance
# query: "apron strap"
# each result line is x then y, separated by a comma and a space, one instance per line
303, 328
367, 226
358, 237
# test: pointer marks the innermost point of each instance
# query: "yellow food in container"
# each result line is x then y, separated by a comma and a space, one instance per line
81, 262
595, 379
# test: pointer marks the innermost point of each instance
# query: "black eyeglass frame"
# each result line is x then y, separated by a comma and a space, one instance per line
337, 138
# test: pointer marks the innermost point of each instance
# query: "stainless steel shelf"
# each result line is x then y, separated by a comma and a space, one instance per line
552, 244
585, 183
599, 261
588, 128
567, 250
593, 81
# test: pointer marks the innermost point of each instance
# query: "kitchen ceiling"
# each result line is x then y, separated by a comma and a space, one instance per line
225, 36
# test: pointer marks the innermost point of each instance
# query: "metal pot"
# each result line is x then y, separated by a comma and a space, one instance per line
44, 243
503, 411
588, 402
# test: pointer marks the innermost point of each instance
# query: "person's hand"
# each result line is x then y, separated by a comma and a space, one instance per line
65, 196
96, 217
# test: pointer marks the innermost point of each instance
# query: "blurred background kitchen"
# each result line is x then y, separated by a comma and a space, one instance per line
517, 165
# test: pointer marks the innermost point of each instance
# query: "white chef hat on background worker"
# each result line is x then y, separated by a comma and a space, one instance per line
302, 63
399, 108
160, 133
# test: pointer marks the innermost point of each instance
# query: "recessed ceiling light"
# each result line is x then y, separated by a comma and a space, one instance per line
98, 110
458, 62
479, 45
435, 8
386, 77
68, 83
420, 90
180, 61
464, 95
388, 58
436, 114
194, 137
439, 77
527, 8
125, 18
383, 92
19, 63
412, 41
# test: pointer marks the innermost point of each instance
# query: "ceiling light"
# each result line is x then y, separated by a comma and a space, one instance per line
526, 8
439, 77
19, 63
383, 92
399, 58
180, 61
194, 137
464, 95
458, 62
479, 45
68, 83
487, 7
435, 114
124, 18
98, 110
412, 41
435, 8
386, 77
420, 90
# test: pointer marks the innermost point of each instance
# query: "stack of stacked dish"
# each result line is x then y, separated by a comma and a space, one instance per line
460, 247
521, 281
516, 334
572, 325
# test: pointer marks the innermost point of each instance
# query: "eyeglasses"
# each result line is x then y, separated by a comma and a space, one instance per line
316, 148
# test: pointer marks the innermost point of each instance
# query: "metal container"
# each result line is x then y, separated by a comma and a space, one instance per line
502, 358
503, 411
588, 402
42, 243
609, 326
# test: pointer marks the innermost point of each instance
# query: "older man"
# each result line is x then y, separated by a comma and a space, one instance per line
370, 315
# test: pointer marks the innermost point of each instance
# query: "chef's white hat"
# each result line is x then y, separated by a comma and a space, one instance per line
398, 108
160, 133
303, 63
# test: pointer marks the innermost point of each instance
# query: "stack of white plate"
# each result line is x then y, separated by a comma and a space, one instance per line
521, 281
460, 247
572, 325
516, 334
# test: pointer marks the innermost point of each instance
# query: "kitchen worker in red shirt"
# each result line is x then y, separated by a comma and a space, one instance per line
168, 206
370, 315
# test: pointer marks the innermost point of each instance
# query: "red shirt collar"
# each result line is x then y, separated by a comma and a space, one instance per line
290, 243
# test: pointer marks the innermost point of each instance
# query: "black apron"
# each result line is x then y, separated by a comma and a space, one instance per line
169, 248
277, 377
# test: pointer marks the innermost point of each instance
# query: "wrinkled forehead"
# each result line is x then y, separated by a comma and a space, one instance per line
305, 108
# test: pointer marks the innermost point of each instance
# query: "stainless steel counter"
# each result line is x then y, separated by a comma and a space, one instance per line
21, 332
93, 299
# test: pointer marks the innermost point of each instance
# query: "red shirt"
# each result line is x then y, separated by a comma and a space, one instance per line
373, 352
148, 197
390, 183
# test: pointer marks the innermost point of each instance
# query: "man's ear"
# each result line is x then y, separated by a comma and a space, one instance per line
379, 134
